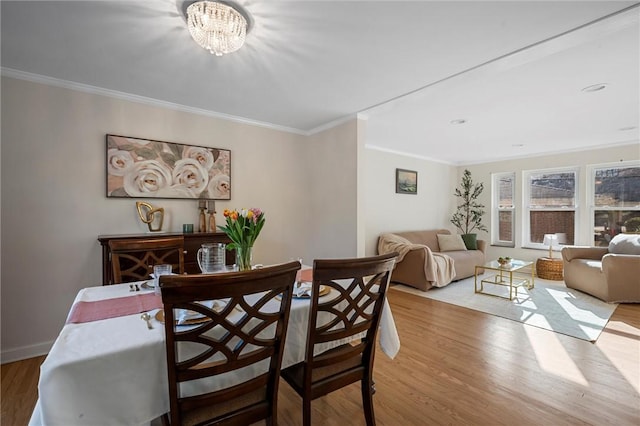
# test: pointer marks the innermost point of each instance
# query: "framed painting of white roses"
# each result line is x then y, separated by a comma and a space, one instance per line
142, 168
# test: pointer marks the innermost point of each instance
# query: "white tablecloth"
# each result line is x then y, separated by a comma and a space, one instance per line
114, 371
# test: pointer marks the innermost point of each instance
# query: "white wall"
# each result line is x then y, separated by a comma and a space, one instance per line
482, 173
386, 211
54, 204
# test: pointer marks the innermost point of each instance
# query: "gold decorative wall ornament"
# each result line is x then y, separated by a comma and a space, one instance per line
150, 215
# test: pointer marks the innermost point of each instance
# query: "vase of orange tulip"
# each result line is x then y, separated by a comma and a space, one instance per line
243, 227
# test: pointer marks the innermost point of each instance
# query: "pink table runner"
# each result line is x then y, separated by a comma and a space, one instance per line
111, 308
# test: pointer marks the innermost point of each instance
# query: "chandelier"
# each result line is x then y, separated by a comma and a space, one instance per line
217, 27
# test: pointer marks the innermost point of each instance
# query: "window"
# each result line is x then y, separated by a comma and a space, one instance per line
550, 206
503, 209
615, 200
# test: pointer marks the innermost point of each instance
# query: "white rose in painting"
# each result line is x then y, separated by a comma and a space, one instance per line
220, 187
201, 155
176, 191
146, 178
119, 162
190, 174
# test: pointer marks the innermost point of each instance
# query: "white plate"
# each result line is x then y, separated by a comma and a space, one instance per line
324, 290
160, 317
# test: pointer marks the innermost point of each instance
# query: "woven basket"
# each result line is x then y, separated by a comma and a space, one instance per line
549, 269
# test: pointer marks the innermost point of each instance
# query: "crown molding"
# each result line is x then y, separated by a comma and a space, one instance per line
498, 160
559, 152
332, 124
408, 154
65, 84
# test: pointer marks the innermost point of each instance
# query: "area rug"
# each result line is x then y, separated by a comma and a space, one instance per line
550, 305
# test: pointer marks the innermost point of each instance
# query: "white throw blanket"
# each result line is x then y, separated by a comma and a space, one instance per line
438, 268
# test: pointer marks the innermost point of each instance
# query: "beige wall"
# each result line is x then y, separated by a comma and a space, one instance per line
54, 204
326, 195
331, 176
386, 211
482, 173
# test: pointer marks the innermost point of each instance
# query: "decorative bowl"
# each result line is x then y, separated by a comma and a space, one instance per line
504, 261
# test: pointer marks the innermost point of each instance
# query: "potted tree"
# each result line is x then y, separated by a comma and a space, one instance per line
469, 212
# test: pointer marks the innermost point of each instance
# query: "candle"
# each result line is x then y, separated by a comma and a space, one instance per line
211, 206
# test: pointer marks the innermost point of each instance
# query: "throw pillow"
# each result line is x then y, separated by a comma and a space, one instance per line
450, 242
625, 244
470, 241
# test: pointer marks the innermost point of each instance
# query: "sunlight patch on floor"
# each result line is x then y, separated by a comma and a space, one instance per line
552, 356
617, 334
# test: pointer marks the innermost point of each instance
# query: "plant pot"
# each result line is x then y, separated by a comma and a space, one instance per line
470, 241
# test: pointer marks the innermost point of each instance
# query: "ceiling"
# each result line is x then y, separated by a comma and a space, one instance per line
513, 70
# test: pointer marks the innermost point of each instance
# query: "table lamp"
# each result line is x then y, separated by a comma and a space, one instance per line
550, 240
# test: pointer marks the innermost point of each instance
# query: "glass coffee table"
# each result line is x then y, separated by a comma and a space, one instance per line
512, 275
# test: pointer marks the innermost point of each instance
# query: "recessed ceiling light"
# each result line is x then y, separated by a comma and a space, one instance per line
458, 121
595, 87
624, 129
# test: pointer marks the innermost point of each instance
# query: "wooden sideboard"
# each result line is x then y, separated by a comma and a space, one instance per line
192, 243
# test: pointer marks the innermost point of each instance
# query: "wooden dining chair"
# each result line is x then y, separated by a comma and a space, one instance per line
133, 259
351, 311
226, 370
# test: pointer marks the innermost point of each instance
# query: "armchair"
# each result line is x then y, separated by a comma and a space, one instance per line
605, 272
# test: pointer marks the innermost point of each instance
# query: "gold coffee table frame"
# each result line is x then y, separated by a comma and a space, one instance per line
510, 275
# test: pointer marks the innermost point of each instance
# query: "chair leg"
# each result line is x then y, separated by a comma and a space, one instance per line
165, 420
368, 389
306, 411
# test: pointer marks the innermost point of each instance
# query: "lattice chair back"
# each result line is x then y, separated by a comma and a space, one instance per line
133, 259
348, 319
225, 337
360, 287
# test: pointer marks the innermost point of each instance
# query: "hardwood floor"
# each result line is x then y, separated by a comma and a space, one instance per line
459, 367
19, 390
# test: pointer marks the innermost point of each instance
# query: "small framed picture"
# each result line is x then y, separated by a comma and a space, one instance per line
406, 181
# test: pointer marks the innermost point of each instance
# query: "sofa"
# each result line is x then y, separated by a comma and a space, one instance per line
421, 262
609, 273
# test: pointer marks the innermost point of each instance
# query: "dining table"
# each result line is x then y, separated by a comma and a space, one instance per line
108, 365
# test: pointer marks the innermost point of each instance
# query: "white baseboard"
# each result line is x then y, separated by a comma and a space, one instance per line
25, 352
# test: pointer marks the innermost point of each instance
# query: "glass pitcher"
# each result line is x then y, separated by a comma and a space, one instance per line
211, 257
